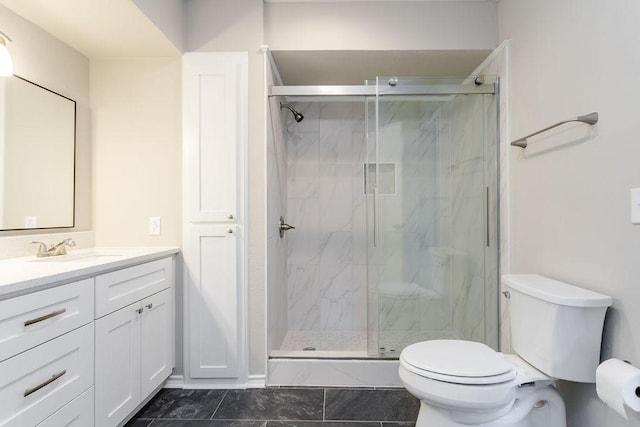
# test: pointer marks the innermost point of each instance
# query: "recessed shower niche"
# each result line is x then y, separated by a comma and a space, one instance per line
393, 196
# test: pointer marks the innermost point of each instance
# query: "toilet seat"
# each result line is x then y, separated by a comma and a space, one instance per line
457, 362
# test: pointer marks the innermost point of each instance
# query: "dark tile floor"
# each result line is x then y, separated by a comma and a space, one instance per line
279, 407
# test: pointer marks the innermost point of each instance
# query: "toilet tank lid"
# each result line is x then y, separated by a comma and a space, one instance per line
555, 291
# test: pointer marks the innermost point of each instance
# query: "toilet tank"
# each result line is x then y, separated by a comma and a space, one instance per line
556, 327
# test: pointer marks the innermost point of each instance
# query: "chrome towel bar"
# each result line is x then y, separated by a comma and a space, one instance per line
590, 119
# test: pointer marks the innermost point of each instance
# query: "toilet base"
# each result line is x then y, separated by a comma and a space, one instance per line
523, 413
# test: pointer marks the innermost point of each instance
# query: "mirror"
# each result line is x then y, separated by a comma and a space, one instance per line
37, 156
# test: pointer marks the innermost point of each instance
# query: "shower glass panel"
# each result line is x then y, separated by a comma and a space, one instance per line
431, 174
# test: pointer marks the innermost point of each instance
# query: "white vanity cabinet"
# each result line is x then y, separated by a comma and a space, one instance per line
134, 338
84, 343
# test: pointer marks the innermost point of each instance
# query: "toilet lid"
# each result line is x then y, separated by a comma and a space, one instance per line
464, 362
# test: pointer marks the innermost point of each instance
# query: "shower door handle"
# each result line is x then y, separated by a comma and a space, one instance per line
375, 217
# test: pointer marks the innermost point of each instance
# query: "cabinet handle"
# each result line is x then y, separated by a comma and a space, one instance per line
54, 377
139, 310
45, 317
230, 216
230, 231
149, 306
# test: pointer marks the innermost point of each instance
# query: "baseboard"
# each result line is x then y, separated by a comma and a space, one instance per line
178, 381
174, 381
256, 381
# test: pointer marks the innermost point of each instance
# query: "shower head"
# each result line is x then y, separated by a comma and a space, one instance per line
297, 116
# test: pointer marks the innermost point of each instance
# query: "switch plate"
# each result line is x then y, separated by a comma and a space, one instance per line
154, 225
635, 206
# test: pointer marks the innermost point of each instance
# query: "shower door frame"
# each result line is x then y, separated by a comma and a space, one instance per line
318, 92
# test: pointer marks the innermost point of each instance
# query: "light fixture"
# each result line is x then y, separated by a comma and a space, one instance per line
6, 64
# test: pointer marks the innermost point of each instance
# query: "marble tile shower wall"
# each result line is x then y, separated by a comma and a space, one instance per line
276, 206
326, 254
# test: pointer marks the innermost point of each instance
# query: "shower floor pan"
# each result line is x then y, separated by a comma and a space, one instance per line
340, 359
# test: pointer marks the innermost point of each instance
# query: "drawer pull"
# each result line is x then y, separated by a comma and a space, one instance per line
45, 317
139, 310
149, 306
54, 377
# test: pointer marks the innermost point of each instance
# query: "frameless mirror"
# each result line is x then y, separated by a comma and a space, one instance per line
37, 156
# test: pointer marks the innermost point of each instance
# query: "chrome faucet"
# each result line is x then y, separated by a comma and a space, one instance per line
54, 250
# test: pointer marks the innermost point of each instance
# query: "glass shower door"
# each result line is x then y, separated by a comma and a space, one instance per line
430, 169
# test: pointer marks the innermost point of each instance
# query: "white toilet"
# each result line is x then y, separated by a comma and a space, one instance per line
556, 332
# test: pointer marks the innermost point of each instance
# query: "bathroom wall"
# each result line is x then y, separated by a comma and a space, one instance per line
137, 140
570, 188
381, 25
43, 59
276, 207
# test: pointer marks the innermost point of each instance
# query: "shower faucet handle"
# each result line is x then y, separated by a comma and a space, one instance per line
284, 227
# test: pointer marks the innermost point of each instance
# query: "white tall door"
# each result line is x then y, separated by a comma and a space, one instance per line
117, 369
213, 302
212, 128
156, 358
215, 111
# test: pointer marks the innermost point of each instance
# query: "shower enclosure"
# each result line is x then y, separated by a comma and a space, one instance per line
392, 189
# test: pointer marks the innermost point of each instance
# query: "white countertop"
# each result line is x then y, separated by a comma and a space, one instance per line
27, 274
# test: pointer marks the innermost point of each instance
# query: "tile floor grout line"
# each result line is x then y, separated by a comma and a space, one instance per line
219, 404
324, 404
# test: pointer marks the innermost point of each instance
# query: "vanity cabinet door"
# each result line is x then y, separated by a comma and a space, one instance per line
117, 369
134, 355
156, 350
213, 302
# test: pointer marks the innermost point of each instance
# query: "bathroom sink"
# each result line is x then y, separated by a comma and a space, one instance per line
88, 256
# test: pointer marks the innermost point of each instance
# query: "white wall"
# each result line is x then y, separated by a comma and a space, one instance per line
44, 60
381, 25
570, 189
136, 123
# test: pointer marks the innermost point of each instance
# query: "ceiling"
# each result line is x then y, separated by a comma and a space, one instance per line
97, 28
118, 28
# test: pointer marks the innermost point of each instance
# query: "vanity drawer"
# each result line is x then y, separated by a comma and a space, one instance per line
78, 413
38, 382
29, 320
123, 287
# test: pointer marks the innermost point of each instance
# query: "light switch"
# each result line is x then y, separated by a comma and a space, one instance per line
635, 206
154, 225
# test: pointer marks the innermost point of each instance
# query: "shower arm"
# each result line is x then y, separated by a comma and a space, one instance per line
590, 119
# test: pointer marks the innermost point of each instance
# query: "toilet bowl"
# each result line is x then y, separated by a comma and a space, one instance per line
467, 383
556, 333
